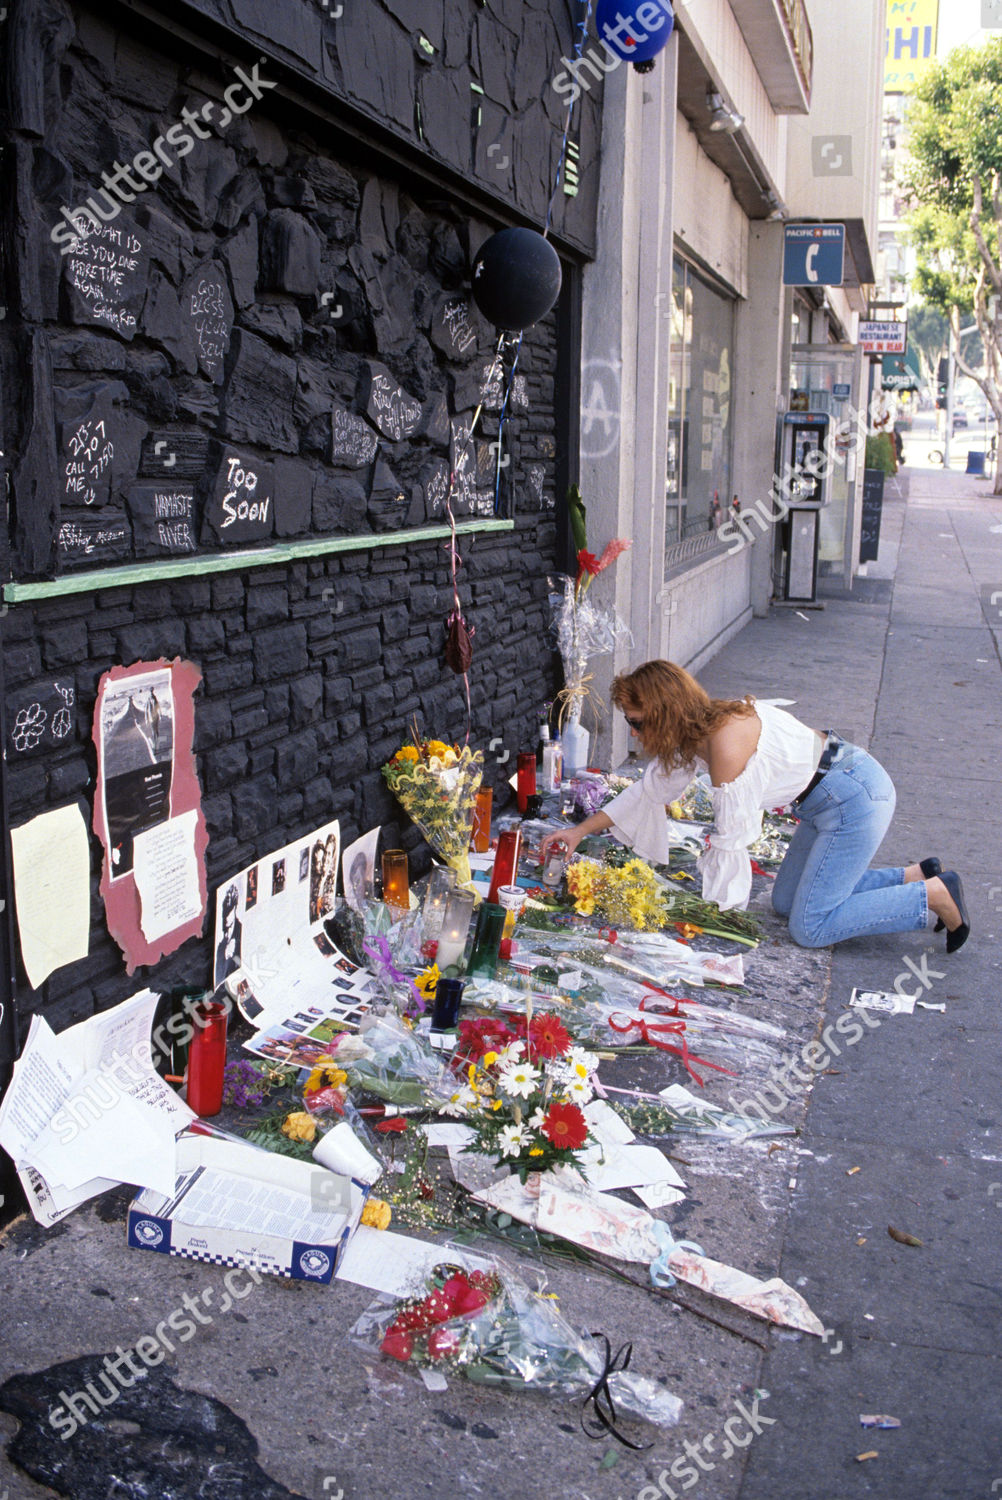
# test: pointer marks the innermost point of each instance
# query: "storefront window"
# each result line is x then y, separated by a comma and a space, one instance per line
699, 409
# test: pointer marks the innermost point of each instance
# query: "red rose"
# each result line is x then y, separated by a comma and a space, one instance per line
565, 1126
397, 1345
464, 1297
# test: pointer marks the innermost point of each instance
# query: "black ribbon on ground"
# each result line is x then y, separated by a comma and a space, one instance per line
600, 1398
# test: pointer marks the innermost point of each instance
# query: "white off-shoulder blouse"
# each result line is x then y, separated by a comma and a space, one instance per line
778, 770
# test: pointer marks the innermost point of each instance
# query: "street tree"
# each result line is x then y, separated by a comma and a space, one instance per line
955, 185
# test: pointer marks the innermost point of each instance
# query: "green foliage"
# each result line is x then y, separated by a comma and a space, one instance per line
880, 453
929, 336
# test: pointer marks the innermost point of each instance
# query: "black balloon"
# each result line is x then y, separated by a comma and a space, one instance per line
516, 278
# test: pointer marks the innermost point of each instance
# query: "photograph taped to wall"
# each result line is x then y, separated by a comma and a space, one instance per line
137, 755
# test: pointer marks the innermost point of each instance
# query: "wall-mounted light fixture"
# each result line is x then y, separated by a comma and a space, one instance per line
722, 117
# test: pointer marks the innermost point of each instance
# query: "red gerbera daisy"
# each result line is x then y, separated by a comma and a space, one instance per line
548, 1036
565, 1126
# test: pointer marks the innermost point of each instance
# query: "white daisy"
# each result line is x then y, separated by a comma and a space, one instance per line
581, 1062
512, 1140
537, 1120
510, 1054
579, 1091
462, 1101
519, 1080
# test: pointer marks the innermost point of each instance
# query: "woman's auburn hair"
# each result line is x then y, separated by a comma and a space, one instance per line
677, 713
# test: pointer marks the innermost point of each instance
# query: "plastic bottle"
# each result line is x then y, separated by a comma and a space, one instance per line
547, 766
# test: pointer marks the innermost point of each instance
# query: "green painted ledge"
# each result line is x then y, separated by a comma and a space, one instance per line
195, 565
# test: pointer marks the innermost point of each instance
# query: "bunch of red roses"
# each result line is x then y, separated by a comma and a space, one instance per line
424, 1330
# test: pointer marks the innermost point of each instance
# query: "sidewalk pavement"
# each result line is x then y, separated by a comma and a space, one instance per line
269, 1400
913, 1113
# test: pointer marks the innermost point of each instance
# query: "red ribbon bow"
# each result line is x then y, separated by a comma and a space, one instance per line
677, 1028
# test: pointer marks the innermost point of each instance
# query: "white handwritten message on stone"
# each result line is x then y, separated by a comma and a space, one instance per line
206, 300
163, 519
88, 450
106, 273
241, 507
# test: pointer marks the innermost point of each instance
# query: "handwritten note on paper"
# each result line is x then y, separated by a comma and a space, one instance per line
166, 872
52, 890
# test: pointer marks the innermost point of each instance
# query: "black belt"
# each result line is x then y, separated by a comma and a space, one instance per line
833, 745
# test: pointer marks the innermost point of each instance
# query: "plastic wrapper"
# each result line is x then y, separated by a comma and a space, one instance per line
582, 629
439, 793
489, 1326
401, 1068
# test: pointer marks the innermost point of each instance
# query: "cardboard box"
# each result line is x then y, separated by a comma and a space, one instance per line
236, 1205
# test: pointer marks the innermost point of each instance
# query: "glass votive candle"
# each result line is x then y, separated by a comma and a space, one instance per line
481, 835
207, 1057
396, 886
487, 939
440, 883
512, 898
445, 1012
505, 861
455, 927
525, 779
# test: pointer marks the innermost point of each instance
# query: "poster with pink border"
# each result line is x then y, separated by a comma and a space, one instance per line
148, 808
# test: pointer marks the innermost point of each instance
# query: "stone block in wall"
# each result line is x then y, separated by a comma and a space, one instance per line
164, 323
306, 697
290, 254
41, 716
280, 651
296, 758
240, 252
360, 647
267, 604
340, 504
68, 779
225, 767
148, 642
293, 497
85, 351
386, 91
259, 396
255, 807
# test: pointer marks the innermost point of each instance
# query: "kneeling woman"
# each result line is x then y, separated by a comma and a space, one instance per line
759, 757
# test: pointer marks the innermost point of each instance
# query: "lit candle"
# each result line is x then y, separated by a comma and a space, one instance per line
455, 926
396, 888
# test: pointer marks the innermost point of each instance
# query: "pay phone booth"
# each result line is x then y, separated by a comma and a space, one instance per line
803, 467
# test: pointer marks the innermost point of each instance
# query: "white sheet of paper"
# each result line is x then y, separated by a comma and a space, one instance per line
358, 864
387, 1262
52, 890
659, 1195
606, 1125
612, 1167
166, 871
447, 1133
87, 1110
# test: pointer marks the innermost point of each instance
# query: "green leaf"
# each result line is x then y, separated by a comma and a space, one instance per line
578, 518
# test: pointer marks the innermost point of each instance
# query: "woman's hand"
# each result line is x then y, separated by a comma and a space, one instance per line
569, 836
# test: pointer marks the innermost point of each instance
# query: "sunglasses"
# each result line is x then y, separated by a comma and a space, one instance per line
635, 724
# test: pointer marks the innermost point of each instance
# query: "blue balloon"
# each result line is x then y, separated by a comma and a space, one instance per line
629, 38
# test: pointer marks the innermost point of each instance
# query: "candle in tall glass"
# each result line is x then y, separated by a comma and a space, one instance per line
525, 780
207, 1058
396, 887
441, 881
505, 861
487, 939
481, 836
455, 926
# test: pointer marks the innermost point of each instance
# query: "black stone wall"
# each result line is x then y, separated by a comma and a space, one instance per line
284, 301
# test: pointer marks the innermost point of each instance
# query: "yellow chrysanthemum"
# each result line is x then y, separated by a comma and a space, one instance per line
325, 1077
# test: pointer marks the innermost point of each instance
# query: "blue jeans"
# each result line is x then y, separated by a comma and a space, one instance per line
825, 885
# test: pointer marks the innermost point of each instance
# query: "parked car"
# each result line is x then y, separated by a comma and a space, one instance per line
959, 417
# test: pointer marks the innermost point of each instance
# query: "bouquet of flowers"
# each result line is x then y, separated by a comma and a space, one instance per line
523, 1093
489, 1326
629, 893
437, 785
582, 628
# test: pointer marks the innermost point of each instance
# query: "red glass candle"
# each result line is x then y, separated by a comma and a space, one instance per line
505, 861
207, 1058
525, 783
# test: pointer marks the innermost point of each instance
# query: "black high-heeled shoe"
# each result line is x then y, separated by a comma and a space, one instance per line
958, 937
930, 868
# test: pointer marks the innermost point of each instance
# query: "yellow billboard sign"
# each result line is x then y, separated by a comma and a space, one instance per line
911, 43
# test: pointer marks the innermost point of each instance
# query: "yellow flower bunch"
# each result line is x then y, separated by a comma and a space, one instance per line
627, 897
426, 983
585, 884
325, 1077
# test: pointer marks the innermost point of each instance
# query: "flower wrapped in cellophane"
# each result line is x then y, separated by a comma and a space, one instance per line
582, 628
486, 1324
436, 784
